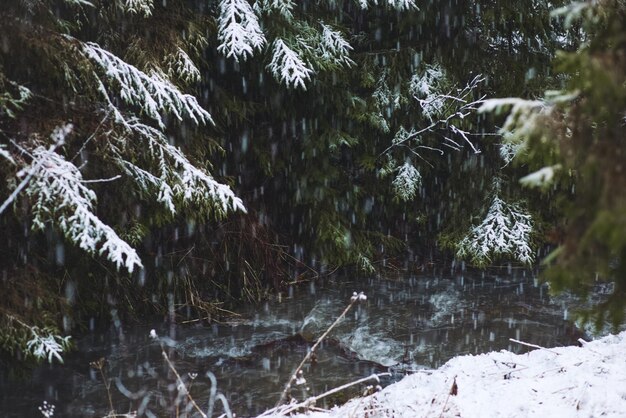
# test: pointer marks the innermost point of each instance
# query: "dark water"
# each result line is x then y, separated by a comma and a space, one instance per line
408, 322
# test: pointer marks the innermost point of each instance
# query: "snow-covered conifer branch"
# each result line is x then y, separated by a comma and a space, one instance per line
47, 345
402, 136
523, 116
239, 32
399, 5
572, 12
287, 66
9, 104
148, 182
407, 182
79, 3
426, 88
505, 231
182, 67
152, 94
44, 343
509, 150
178, 179
540, 178
59, 196
521, 122
196, 186
334, 48
283, 7
6, 154
402, 5
143, 7
387, 100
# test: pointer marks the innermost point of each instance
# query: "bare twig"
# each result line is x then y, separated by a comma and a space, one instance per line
99, 365
213, 391
533, 346
453, 391
355, 298
102, 180
181, 383
310, 402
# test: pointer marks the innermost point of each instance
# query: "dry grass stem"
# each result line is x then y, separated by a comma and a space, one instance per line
306, 358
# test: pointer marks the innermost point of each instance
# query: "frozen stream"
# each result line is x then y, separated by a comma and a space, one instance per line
407, 322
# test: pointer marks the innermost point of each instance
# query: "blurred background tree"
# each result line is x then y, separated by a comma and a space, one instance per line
574, 144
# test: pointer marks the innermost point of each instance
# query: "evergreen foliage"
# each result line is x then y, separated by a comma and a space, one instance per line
505, 231
573, 142
86, 105
342, 122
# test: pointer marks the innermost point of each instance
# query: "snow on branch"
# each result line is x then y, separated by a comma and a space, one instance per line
402, 136
148, 182
239, 32
402, 5
153, 94
196, 186
135, 7
45, 344
399, 5
406, 182
445, 111
181, 66
387, 101
6, 154
287, 66
283, 7
540, 178
505, 231
572, 12
509, 150
9, 103
178, 181
426, 88
522, 116
60, 196
334, 48
79, 3
521, 122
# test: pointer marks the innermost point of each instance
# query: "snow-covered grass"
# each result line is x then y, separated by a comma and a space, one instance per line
587, 381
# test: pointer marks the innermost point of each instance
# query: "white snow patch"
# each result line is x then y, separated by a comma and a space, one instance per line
540, 178
560, 382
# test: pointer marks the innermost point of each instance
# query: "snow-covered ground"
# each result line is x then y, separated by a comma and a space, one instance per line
587, 381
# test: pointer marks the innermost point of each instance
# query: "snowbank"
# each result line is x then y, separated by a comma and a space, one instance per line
588, 381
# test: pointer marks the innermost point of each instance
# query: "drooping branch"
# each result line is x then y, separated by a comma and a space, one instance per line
152, 94
239, 32
60, 196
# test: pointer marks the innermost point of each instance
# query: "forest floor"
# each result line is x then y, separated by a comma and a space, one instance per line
587, 381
